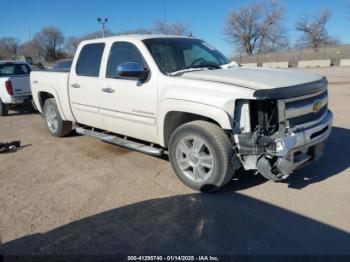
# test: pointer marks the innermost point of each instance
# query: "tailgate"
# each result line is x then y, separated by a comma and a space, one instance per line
20, 85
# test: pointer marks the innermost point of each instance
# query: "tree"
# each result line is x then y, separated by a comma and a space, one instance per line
50, 41
72, 44
96, 34
276, 40
162, 27
31, 49
256, 26
9, 47
314, 32
138, 31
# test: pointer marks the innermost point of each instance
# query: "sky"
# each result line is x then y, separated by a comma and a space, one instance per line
205, 17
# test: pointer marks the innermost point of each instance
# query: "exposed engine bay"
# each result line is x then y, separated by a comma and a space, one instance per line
277, 136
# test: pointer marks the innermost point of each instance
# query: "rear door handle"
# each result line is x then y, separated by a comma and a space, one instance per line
75, 85
108, 90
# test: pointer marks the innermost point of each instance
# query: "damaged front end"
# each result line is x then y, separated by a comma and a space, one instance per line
277, 136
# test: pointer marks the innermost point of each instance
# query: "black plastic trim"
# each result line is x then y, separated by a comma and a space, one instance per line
292, 91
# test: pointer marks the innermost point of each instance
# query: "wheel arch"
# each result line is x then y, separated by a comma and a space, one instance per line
176, 113
43, 96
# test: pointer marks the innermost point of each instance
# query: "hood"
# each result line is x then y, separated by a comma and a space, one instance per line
254, 78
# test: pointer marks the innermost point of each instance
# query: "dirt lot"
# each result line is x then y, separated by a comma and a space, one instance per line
79, 195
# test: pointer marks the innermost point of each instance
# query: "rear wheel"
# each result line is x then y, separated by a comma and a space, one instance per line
54, 123
200, 153
3, 109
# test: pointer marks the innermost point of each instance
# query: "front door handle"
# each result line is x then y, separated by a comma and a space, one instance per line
108, 90
75, 85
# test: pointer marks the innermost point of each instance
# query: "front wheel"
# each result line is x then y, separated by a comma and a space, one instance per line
54, 123
3, 109
200, 154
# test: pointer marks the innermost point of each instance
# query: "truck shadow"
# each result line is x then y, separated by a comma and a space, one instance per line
335, 160
224, 223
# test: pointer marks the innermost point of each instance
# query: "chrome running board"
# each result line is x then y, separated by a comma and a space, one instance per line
113, 139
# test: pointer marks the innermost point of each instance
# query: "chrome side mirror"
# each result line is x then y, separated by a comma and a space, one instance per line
132, 70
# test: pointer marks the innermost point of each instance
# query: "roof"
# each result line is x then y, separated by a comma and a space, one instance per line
138, 37
148, 36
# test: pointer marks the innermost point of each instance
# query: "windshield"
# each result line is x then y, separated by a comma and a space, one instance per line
10, 69
175, 54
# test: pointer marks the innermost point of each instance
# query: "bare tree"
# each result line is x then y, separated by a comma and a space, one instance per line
96, 34
314, 32
9, 47
50, 40
254, 26
138, 31
72, 44
162, 27
276, 40
31, 49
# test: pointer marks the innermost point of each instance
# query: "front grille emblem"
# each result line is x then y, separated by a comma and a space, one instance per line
317, 106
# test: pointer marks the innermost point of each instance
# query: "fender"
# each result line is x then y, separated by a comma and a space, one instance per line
52, 91
214, 113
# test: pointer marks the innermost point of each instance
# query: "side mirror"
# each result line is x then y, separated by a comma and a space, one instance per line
132, 70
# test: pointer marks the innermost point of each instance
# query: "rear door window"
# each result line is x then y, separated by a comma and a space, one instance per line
89, 61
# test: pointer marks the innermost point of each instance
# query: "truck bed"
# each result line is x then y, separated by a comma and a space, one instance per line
55, 82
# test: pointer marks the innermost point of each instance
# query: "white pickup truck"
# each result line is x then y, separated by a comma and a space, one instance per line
14, 85
182, 97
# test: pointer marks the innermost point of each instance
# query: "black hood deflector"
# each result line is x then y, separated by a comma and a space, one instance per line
292, 91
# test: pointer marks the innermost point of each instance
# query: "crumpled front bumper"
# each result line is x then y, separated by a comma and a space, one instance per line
296, 149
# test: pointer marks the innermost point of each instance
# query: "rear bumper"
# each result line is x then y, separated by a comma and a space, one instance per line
20, 99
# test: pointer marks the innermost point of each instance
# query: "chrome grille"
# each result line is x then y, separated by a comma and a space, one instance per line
306, 110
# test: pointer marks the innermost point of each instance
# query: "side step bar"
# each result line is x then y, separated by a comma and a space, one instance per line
121, 142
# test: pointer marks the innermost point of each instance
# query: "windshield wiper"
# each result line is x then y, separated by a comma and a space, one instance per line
195, 68
187, 70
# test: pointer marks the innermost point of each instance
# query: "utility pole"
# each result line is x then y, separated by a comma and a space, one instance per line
102, 21
29, 33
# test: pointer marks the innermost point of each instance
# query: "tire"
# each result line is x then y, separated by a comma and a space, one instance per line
3, 109
200, 154
54, 123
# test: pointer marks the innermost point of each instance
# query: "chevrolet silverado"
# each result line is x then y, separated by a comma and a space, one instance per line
180, 96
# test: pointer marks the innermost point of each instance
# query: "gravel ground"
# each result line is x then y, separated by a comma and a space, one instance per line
79, 195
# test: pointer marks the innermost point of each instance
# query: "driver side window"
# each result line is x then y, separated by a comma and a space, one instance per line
122, 52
